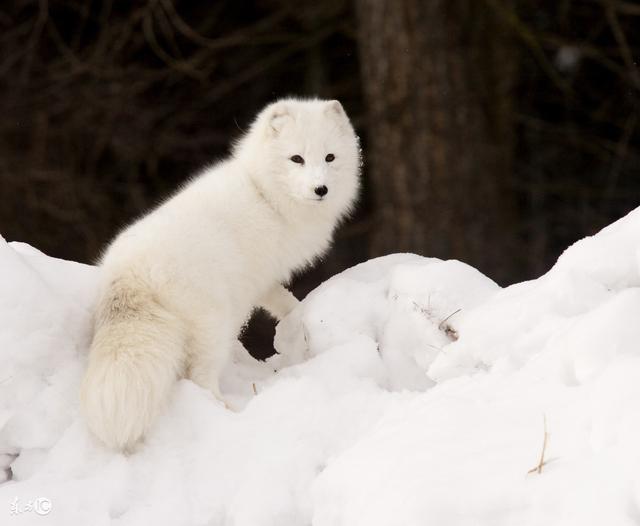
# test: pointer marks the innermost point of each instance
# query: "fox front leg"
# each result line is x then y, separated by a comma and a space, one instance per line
278, 301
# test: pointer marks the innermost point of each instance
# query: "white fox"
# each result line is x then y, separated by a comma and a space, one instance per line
179, 283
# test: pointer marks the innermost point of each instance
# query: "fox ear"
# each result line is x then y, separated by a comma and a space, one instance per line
278, 116
334, 107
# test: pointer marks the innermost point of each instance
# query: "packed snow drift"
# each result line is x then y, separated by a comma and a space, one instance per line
406, 391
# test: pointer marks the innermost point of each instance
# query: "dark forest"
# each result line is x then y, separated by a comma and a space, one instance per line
496, 132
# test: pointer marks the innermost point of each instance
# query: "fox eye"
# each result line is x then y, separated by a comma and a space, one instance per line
330, 157
297, 159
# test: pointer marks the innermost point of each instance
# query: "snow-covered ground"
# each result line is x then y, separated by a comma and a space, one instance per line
409, 391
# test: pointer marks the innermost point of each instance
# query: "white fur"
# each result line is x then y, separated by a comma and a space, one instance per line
180, 282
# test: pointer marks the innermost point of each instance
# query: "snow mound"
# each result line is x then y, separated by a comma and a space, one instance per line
406, 391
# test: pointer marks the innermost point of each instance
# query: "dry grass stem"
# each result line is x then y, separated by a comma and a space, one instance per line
542, 461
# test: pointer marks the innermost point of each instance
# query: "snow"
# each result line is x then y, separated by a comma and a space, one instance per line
407, 391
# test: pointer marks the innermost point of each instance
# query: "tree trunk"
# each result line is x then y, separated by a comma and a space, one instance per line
437, 80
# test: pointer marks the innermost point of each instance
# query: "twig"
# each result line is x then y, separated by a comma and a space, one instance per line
627, 8
521, 30
620, 157
542, 461
621, 39
450, 315
255, 391
450, 332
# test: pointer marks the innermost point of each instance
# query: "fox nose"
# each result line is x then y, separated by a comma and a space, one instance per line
321, 190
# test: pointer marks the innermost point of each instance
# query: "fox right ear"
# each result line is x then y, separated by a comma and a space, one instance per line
334, 106
277, 118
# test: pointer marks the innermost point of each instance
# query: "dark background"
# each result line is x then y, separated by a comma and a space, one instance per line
494, 131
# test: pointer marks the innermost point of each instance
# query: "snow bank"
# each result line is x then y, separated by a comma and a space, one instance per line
408, 391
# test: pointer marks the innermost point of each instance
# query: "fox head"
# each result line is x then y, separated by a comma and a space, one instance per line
305, 152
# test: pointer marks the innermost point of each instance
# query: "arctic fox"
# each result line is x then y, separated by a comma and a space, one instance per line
179, 283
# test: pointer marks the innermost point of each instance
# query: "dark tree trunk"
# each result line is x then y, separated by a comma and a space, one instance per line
437, 80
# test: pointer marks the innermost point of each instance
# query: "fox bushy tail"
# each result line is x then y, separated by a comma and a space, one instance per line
136, 355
